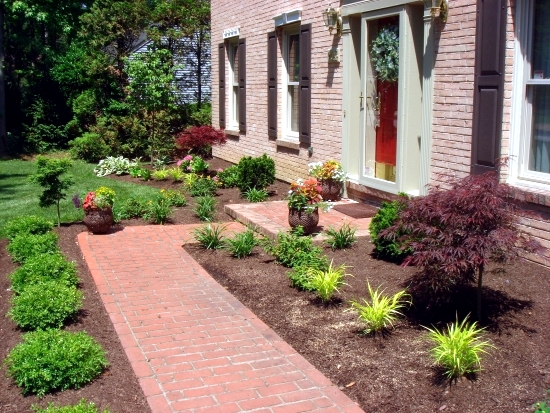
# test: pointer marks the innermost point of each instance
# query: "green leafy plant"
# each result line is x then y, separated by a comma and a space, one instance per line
158, 209
174, 198
384, 54
210, 236
228, 177
203, 187
385, 217
458, 350
135, 171
55, 360
255, 172
242, 244
305, 195
42, 268
31, 224
89, 147
45, 305
189, 180
205, 208
81, 407
292, 249
25, 246
326, 283
299, 275
193, 164
341, 238
161, 174
115, 165
49, 176
382, 311
256, 195
133, 207
146, 174
176, 174
543, 406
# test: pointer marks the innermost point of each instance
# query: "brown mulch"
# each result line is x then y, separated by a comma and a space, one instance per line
390, 373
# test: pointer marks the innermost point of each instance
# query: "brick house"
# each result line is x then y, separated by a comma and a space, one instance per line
469, 90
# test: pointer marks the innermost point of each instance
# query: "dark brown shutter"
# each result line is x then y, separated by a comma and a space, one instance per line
304, 96
489, 84
221, 71
272, 84
242, 85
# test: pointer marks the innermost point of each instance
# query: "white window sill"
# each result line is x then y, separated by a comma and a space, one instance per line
288, 144
232, 132
532, 192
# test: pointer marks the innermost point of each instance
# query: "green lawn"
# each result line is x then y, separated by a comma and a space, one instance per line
19, 197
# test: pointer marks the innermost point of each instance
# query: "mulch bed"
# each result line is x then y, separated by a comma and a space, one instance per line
383, 374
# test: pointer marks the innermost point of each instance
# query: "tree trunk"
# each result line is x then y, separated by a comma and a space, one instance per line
479, 285
3, 134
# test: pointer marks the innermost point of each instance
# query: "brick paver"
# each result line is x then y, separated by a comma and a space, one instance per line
193, 346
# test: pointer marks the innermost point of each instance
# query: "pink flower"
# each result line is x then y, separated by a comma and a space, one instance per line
188, 168
220, 170
188, 158
178, 163
215, 179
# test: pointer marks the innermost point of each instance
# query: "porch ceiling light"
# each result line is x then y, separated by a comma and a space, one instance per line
332, 19
435, 6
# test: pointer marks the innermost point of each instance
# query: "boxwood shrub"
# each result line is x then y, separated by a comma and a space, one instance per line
31, 224
41, 268
50, 360
24, 246
45, 305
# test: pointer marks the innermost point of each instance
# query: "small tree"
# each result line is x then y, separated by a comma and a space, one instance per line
200, 139
454, 233
152, 86
48, 176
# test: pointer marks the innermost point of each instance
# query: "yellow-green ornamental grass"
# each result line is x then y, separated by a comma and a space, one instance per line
458, 350
382, 311
326, 283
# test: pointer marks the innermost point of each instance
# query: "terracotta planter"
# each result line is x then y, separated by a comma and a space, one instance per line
98, 221
298, 217
331, 190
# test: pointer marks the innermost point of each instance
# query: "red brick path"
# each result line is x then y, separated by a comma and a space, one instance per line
193, 346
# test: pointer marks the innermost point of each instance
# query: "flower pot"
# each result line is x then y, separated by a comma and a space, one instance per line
331, 190
299, 217
98, 220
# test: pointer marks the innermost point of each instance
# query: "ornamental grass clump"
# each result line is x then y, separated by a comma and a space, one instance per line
256, 195
299, 275
205, 208
326, 283
341, 238
54, 360
25, 246
454, 233
210, 236
241, 244
42, 268
31, 224
45, 305
382, 311
458, 350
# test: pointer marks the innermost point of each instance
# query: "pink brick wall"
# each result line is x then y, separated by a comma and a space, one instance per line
255, 19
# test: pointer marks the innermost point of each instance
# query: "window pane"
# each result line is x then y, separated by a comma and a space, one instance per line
235, 65
539, 159
235, 104
294, 58
541, 40
293, 107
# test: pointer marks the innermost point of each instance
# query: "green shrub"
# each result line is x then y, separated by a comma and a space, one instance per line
82, 407
382, 310
256, 195
133, 207
206, 208
89, 147
457, 351
158, 209
210, 236
326, 283
31, 224
45, 305
299, 276
55, 360
292, 249
385, 218
44, 267
341, 238
228, 177
176, 174
202, 116
174, 198
242, 244
203, 187
255, 172
25, 246
161, 174
544, 406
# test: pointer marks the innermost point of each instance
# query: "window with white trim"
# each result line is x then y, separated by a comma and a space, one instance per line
291, 47
532, 140
233, 51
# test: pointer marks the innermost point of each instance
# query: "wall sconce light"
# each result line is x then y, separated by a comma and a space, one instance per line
441, 6
332, 19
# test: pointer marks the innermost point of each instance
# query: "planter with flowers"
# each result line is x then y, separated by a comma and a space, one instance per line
331, 178
304, 201
98, 210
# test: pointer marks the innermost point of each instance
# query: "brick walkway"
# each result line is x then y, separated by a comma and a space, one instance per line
193, 346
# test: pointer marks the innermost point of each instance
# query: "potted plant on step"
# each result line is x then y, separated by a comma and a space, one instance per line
304, 201
98, 210
331, 178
